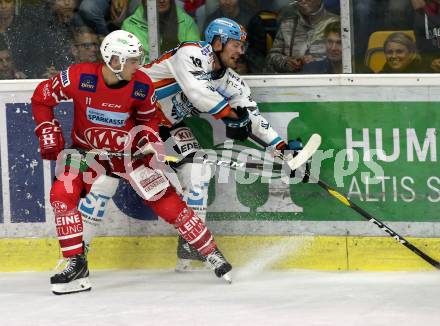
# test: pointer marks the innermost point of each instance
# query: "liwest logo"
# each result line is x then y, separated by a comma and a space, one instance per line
88, 82
140, 91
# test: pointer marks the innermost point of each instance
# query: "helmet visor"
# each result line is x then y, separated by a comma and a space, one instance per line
238, 45
139, 60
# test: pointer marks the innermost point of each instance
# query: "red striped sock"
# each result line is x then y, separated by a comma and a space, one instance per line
195, 232
70, 232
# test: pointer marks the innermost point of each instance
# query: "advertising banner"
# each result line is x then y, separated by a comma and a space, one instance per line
382, 153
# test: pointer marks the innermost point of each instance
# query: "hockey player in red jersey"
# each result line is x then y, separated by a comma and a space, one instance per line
115, 110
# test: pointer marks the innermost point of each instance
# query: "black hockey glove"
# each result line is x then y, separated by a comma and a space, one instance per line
238, 129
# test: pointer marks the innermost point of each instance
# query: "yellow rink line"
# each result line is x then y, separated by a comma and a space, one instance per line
275, 252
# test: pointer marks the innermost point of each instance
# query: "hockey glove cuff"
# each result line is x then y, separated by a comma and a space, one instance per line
238, 129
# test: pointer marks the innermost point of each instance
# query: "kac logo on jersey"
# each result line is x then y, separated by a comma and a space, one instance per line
88, 82
108, 139
140, 91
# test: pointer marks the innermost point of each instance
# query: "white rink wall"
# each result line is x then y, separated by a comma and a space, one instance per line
36, 220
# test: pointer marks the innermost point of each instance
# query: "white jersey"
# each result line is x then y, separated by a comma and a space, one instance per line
186, 84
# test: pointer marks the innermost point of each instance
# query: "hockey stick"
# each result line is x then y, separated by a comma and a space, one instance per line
343, 199
347, 202
294, 162
301, 157
101, 152
175, 162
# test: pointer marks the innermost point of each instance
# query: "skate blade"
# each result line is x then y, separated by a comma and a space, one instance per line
228, 277
79, 285
189, 265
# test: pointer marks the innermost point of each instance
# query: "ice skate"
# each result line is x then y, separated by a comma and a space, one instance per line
74, 278
219, 264
188, 258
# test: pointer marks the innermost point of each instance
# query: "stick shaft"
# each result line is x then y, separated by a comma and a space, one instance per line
343, 199
365, 214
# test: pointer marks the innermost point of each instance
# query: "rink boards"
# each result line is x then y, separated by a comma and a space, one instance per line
329, 253
356, 115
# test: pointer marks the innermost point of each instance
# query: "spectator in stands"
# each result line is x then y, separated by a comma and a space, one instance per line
426, 28
262, 30
300, 37
85, 47
7, 14
332, 63
333, 6
10, 28
175, 25
105, 16
191, 6
66, 11
274, 5
399, 15
378, 15
261, 33
46, 37
401, 55
7, 67
232, 9
203, 11
64, 19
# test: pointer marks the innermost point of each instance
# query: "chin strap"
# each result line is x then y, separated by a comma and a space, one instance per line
118, 75
217, 53
116, 72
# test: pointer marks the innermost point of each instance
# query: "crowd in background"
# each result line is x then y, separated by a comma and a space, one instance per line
38, 38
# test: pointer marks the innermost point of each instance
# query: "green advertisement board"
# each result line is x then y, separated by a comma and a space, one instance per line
396, 176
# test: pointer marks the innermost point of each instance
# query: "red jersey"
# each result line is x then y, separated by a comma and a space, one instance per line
103, 116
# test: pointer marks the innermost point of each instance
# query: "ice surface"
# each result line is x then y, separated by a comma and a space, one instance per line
199, 298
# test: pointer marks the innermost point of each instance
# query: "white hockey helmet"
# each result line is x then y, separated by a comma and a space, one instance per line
123, 45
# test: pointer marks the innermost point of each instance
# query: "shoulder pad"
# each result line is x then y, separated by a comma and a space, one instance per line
204, 47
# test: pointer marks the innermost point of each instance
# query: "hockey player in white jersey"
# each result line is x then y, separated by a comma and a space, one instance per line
193, 78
